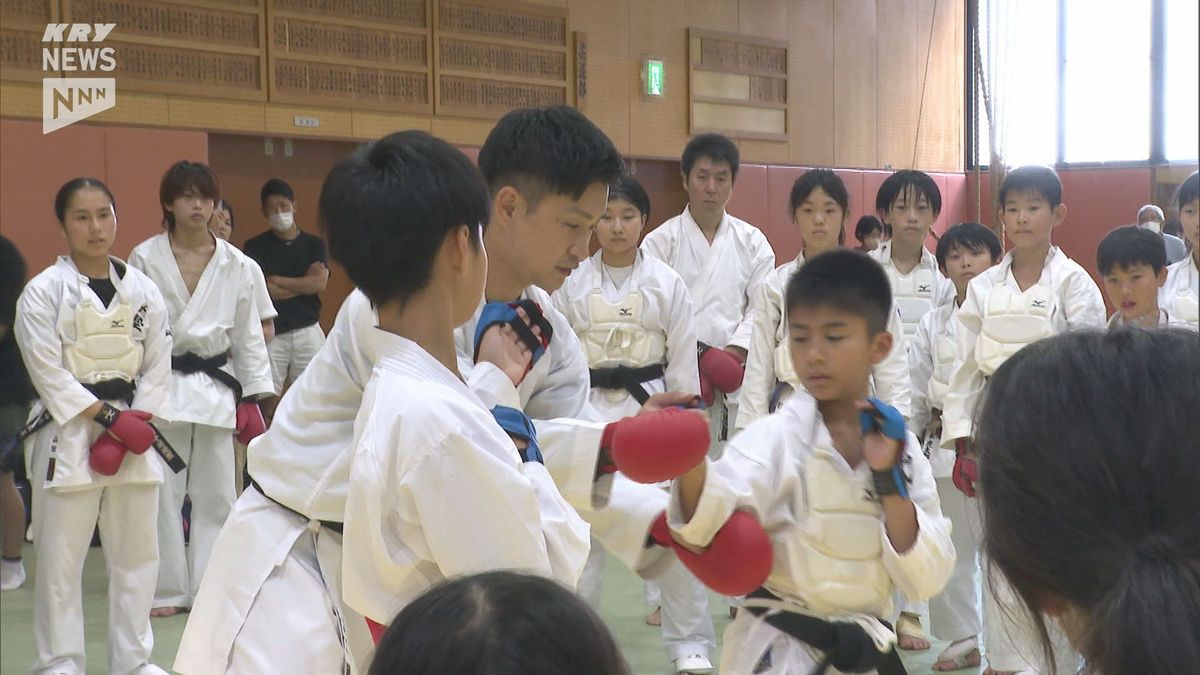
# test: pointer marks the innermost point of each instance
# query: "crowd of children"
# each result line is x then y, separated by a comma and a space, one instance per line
494, 397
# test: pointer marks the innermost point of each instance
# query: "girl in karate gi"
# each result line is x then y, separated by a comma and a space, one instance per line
95, 338
633, 315
819, 203
1180, 295
220, 369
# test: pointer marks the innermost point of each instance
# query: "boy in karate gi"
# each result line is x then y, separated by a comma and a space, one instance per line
843, 491
1133, 268
963, 253
1034, 292
1180, 295
95, 339
633, 316
220, 366
723, 261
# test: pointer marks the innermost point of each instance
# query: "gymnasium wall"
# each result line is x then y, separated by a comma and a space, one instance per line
870, 83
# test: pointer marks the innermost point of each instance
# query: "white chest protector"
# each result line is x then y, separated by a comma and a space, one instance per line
615, 335
913, 294
1187, 307
1011, 320
841, 569
943, 369
104, 348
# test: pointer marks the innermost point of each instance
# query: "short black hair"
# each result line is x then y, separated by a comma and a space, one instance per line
181, 177
1032, 179
1131, 245
847, 280
831, 183
904, 182
498, 623
1189, 190
866, 225
555, 149
716, 147
276, 186
68, 190
971, 237
631, 190
387, 208
1089, 487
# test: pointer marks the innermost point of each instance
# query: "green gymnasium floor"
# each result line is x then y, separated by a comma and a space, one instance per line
623, 610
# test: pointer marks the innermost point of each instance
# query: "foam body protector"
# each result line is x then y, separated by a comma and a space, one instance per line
1180, 295
832, 556
769, 370
68, 338
916, 293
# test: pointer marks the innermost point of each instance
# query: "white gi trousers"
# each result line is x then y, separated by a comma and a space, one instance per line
954, 613
208, 479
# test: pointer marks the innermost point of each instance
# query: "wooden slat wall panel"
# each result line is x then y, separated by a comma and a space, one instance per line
902, 38
657, 128
811, 123
854, 81
607, 44
941, 142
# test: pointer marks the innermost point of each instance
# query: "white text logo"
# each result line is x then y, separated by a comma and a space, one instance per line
73, 48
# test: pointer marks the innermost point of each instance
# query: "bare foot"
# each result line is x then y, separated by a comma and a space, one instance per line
655, 618
910, 635
161, 612
912, 643
949, 660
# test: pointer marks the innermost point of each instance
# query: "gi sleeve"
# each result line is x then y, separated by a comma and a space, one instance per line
36, 330
251, 364
759, 382
892, 382
1081, 302
966, 384
682, 372
923, 570
762, 263
154, 376
920, 368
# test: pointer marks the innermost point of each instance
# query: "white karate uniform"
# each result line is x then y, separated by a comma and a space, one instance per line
1165, 320
954, 613
1072, 301
438, 489
916, 293
262, 297
770, 360
661, 315
71, 497
268, 556
221, 316
1064, 298
1180, 295
723, 279
785, 470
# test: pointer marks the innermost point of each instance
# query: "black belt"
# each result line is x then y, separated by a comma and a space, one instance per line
328, 524
629, 379
189, 363
846, 646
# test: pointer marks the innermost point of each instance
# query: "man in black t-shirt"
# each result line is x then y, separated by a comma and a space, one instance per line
295, 265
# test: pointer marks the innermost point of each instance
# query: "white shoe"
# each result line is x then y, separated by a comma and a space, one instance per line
12, 575
693, 663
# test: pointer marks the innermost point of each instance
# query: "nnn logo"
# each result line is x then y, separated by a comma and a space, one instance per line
73, 47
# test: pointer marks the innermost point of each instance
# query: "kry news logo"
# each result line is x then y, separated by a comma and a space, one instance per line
66, 100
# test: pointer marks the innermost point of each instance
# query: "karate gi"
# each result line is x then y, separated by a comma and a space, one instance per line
785, 470
438, 489
633, 317
995, 320
769, 363
1180, 295
723, 279
56, 315
219, 317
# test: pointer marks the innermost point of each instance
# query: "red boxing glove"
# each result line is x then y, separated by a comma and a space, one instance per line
377, 630
250, 422
737, 561
657, 446
966, 470
128, 426
707, 393
723, 369
106, 455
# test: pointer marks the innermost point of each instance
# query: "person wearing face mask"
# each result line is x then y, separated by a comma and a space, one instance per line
296, 266
1150, 217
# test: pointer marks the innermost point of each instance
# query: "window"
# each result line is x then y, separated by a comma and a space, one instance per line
1075, 81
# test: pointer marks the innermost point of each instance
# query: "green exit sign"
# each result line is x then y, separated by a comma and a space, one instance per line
653, 77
